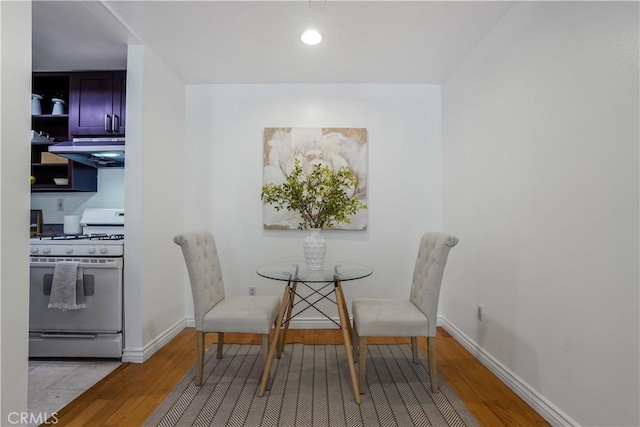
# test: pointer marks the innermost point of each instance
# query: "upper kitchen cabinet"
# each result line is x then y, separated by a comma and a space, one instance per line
50, 86
50, 125
97, 103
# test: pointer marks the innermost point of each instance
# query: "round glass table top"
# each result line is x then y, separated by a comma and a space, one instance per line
297, 271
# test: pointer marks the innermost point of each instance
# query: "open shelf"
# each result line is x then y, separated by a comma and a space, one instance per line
56, 126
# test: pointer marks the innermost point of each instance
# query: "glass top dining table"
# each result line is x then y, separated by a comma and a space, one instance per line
323, 284
297, 271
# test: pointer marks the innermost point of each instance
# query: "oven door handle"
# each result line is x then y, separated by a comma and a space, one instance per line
67, 336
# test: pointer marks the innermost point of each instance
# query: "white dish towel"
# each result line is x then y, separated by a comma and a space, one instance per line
67, 287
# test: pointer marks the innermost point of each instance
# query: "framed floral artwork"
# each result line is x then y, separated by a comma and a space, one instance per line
331, 147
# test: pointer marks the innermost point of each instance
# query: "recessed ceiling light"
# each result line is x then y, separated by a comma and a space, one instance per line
311, 37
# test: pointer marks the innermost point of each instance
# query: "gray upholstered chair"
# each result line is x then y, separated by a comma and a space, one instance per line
213, 312
378, 317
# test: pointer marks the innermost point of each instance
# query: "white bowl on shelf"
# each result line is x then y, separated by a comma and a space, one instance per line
61, 181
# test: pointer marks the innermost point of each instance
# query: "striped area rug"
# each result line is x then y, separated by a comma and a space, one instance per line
311, 387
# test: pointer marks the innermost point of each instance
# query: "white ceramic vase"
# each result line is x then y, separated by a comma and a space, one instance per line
315, 249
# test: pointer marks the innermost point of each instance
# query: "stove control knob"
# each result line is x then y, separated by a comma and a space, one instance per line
46, 250
34, 249
91, 250
68, 250
104, 250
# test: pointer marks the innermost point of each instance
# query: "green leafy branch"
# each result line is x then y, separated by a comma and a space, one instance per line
321, 197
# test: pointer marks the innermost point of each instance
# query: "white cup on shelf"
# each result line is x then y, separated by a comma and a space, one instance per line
36, 108
58, 107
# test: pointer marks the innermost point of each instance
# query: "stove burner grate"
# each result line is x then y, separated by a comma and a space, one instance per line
72, 237
104, 236
65, 237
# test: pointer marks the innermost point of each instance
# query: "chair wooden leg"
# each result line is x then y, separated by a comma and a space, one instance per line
431, 349
220, 345
265, 353
362, 357
265, 347
199, 356
414, 349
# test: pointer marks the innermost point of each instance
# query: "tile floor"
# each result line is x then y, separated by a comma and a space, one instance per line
54, 384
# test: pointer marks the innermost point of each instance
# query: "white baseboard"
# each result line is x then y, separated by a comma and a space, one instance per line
538, 402
140, 355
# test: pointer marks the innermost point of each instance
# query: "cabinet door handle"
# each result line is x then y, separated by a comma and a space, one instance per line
115, 124
108, 123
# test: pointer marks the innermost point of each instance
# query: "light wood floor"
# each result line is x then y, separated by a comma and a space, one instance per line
127, 396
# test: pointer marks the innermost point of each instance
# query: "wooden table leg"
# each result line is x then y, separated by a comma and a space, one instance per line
274, 343
346, 310
344, 325
292, 296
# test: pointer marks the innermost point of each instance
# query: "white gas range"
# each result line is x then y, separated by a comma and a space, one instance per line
97, 329
103, 235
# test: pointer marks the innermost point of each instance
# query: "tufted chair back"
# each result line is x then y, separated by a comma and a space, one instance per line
427, 274
201, 256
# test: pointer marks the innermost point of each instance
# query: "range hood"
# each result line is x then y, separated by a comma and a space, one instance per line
102, 152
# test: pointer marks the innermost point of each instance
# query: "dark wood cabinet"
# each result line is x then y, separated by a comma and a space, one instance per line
46, 167
120, 98
97, 103
94, 106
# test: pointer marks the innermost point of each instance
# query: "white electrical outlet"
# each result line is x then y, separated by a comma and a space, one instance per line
252, 290
479, 313
60, 205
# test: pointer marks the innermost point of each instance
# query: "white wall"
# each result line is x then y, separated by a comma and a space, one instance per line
154, 285
15, 116
110, 194
224, 154
540, 131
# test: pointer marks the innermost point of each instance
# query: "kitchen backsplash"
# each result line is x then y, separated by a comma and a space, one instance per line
110, 194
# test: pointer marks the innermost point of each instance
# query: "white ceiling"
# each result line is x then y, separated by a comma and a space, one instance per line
259, 41
76, 35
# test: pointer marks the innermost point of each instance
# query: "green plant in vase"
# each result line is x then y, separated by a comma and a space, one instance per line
322, 197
